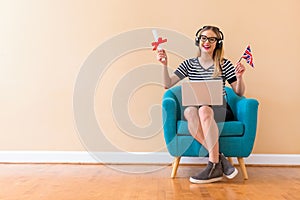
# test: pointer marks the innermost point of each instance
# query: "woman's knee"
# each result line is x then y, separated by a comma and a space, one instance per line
191, 113
205, 113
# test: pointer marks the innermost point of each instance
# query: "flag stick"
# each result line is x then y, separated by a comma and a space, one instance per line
240, 59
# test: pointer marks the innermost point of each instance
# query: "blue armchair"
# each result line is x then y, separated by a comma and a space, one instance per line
236, 137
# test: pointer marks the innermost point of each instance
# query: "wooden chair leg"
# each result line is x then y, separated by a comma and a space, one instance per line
175, 166
243, 167
230, 160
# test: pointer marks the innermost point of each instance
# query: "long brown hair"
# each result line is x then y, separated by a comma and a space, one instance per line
218, 54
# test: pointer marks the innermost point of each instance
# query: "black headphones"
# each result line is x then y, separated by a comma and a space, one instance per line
216, 29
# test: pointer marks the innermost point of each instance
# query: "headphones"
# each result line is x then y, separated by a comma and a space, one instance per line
215, 29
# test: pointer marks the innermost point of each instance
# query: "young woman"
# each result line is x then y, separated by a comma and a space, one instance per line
202, 120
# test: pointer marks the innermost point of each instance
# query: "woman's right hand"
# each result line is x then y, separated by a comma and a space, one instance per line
162, 57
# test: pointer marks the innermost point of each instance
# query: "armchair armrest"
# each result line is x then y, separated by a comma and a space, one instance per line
169, 110
247, 111
247, 114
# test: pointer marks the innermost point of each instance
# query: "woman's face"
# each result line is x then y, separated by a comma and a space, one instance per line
208, 41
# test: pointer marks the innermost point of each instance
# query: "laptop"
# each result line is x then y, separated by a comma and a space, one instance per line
208, 92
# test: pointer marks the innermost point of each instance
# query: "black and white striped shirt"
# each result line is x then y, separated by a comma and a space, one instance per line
192, 69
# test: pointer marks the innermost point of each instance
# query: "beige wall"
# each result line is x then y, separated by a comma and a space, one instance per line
43, 45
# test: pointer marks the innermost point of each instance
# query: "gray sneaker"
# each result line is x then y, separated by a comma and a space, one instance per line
229, 171
212, 173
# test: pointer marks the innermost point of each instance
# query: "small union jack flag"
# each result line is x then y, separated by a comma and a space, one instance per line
248, 56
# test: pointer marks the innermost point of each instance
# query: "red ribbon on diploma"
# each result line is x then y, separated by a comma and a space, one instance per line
159, 41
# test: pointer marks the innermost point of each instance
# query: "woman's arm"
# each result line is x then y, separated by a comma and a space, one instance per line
239, 85
168, 80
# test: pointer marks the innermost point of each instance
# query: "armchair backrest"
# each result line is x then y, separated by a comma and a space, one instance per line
232, 99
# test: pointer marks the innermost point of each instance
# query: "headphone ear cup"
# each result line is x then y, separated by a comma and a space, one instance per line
197, 41
219, 44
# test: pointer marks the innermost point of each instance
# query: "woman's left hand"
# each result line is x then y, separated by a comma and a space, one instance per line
239, 70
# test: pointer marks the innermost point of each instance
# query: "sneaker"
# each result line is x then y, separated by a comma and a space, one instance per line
212, 173
229, 171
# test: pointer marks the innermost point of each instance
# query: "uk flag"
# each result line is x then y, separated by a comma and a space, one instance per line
248, 56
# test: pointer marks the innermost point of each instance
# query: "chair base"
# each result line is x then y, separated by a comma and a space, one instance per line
240, 160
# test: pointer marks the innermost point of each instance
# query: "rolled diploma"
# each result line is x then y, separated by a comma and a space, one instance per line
155, 35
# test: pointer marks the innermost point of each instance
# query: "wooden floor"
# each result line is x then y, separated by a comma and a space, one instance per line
88, 182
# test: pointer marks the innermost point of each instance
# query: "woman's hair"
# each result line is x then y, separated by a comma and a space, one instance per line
218, 51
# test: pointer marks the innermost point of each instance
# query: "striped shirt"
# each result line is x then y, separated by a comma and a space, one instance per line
192, 69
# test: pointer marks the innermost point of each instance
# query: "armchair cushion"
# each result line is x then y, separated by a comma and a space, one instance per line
231, 128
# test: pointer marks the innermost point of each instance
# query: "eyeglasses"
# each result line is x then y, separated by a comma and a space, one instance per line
211, 40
